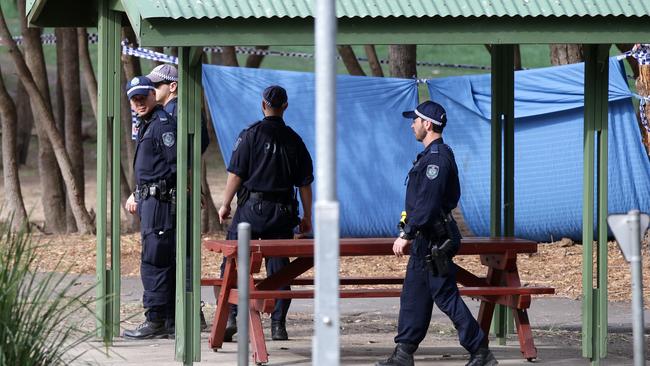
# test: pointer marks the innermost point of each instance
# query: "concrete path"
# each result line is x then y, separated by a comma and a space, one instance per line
367, 330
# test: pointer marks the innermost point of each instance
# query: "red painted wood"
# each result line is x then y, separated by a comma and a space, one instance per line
526, 343
385, 292
221, 314
368, 246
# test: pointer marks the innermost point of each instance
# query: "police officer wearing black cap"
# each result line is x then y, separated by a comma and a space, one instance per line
154, 201
433, 190
269, 160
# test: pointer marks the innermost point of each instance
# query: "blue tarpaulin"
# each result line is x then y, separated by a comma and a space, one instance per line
376, 145
548, 149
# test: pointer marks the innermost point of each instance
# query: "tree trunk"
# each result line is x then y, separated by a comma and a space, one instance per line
53, 195
24, 135
517, 51
72, 108
350, 60
13, 193
46, 123
229, 56
643, 88
373, 60
634, 64
402, 60
254, 61
209, 213
87, 68
564, 54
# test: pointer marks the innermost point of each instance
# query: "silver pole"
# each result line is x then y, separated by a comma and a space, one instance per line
637, 288
325, 344
243, 265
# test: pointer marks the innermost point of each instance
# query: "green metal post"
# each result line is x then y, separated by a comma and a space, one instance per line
594, 305
196, 67
109, 23
188, 300
502, 131
114, 90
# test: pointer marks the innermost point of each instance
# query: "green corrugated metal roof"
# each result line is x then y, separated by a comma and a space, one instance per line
389, 8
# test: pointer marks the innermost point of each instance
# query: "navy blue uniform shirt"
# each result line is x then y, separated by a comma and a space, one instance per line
172, 107
155, 152
432, 186
271, 157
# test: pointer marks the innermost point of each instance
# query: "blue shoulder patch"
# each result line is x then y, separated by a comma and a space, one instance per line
434, 149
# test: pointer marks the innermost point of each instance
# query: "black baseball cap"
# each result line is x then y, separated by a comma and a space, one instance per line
275, 96
429, 111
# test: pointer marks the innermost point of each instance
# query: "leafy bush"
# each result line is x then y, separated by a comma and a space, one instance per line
40, 313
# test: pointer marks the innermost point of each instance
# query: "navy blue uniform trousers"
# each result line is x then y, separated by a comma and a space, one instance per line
158, 259
269, 220
421, 290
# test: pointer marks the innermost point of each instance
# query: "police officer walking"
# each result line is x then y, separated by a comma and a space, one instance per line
433, 191
154, 201
269, 160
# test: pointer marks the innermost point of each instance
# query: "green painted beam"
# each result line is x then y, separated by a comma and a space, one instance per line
502, 176
195, 102
108, 280
594, 304
602, 121
188, 235
114, 94
435, 30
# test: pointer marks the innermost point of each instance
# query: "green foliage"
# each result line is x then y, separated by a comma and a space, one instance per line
40, 313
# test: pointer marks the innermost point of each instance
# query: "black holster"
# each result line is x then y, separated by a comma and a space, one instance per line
440, 247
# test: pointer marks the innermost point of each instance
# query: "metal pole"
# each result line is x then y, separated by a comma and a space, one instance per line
243, 265
637, 288
325, 344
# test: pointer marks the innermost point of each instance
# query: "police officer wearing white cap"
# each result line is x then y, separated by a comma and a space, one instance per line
165, 80
433, 190
154, 201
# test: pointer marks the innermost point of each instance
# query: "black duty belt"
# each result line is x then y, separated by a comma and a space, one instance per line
280, 197
160, 190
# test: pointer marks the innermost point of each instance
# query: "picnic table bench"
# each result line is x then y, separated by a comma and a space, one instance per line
501, 285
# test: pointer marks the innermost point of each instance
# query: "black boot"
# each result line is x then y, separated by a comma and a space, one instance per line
482, 357
148, 330
204, 324
231, 327
402, 356
279, 331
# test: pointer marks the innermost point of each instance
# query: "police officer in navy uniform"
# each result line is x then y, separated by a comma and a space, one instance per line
165, 79
433, 190
154, 201
269, 160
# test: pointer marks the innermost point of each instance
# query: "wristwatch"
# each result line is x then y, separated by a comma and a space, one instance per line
406, 234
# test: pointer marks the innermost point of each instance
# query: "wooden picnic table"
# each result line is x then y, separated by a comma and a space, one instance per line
501, 285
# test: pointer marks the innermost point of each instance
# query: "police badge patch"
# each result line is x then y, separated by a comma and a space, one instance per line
432, 171
168, 139
135, 81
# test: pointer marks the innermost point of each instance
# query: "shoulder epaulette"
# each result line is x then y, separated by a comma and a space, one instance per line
253, 125
434, 149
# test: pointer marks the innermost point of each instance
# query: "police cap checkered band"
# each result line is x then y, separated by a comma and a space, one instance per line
162, 73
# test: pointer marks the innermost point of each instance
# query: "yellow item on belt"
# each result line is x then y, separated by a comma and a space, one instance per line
403, 217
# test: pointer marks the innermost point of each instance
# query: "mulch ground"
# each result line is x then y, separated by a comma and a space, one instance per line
557, 264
